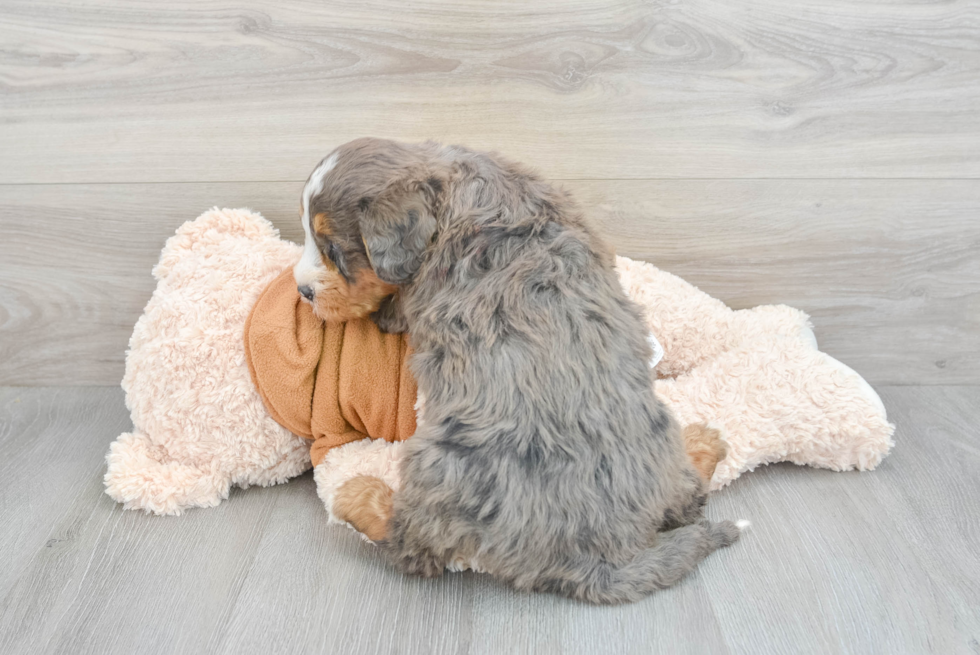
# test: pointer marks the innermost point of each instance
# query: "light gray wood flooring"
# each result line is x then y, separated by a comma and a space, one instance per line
876, 562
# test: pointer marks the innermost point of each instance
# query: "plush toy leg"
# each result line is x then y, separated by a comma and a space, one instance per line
769, 321
693, 327
368, 457
777, 399
142, 476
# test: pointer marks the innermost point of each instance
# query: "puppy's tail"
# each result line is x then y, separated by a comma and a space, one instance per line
675, 555
365, 502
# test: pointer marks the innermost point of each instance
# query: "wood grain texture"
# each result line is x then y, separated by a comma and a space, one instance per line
881, 561
888, 269
95, 91
75, 267
53, 445
875, 562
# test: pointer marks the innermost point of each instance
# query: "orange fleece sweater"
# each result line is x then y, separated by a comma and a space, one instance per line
330, 383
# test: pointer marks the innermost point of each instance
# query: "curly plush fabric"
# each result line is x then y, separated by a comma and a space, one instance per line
200, 426
757, 375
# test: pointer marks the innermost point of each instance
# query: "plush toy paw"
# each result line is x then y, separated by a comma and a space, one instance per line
705, 448
141, 475
367, 458
365, 503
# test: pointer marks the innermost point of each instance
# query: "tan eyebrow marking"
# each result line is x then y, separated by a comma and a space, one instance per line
321, 224
367, 251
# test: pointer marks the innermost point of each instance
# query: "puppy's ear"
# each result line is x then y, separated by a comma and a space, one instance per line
398, 225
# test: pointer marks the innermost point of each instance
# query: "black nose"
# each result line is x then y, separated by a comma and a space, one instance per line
306, 292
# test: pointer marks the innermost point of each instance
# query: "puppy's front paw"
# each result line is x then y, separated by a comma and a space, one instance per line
390, 317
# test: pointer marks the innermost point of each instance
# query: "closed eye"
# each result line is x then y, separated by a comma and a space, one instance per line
336, 255
333, 252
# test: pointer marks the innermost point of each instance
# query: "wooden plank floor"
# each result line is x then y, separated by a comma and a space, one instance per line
877, 562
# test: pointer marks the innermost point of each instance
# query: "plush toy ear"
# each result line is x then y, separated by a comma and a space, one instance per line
398, 226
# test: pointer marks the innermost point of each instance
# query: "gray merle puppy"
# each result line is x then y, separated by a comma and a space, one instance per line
542, 453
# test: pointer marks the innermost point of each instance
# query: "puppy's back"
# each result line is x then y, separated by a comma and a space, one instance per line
543, 443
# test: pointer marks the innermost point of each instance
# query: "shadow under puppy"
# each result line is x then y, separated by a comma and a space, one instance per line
541, 451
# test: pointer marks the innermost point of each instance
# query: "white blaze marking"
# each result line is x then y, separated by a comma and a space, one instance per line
309, 264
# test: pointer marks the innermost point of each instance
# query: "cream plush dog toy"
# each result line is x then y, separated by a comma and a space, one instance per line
200, 425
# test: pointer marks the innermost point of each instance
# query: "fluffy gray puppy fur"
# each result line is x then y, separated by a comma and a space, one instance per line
543, 452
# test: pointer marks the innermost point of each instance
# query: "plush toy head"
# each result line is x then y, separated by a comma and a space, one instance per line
199, 425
